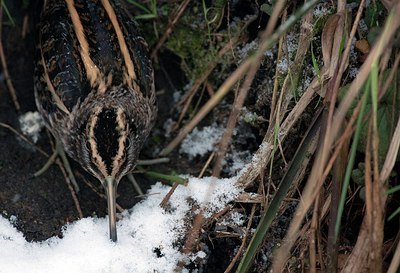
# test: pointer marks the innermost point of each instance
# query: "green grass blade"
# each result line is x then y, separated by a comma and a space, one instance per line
352, 156
8, 13
168, 178
300, 159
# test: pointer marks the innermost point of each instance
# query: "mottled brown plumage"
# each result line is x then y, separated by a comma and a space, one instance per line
94, 87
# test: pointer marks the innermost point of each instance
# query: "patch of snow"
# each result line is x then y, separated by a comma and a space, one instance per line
247, 48
200, 142
291, 40
149, 237
283, 65
235, 218
31, 123
363, 28
168, 125
236, 161
353, 63
320, 10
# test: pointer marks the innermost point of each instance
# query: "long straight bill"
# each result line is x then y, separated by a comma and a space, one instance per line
111, 187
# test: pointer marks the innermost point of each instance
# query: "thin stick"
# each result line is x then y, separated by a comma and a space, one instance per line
244, 241
203, 170
165, 200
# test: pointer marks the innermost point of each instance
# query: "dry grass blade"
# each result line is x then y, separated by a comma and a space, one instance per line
314, 183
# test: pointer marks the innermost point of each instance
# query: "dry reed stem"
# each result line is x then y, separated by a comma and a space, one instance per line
233, 117
313, 184
313, 238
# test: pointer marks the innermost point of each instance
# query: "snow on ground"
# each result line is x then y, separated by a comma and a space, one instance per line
200, 142
147, 235
31, 124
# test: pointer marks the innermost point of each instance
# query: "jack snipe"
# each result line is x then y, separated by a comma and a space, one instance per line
94, 88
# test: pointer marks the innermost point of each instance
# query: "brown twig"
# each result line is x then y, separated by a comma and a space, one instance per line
165, 200
18, 134
208, 162
244, 241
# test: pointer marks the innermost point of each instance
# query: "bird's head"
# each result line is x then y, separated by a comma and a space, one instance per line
108, 136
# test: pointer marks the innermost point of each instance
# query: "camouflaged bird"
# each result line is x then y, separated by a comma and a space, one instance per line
94, 87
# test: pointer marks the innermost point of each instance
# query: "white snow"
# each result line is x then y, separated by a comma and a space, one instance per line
31, 123
200, 142
143, 232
